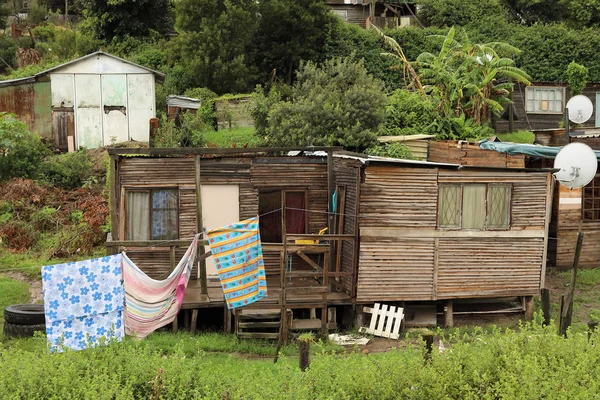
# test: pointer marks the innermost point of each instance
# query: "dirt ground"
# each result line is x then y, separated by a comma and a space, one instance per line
35, 285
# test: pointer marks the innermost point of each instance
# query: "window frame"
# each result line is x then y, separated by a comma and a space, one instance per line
462, 193
530, 91
593, 185
149, 190
282, 192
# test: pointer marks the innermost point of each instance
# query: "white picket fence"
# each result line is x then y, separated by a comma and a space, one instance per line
385, 321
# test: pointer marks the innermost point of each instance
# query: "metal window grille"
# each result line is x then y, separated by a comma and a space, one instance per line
591, 200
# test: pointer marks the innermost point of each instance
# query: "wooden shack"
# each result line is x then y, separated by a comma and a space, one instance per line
434, 231
469, 153
398, 230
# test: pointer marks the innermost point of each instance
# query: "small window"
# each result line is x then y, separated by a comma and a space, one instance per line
271, 220
152, 214
474, 206
542, 99
591, 200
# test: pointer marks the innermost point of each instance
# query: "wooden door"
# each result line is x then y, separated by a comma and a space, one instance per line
63, 127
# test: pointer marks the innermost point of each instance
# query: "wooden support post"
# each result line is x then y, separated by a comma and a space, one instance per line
194, 321
448, 314
567, 311
332, 315
172, 257
304, 350
528, 303
175, 328
200, 227
359, 316
561, 306
330, 216
114, 206
428, 346
226, 319
545, 294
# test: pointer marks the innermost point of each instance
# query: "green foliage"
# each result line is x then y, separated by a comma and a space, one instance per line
120, 18
37, 13
234, 137
11, 292
409, 113
206, 113
21, 151
517, 137
336, 104
447, 13
69, 170
8, 48
532, 362
288, 33
393, 150
534, 11
576, 75
214, 39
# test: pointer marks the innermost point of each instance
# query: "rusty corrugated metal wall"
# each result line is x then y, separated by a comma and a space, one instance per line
31, 103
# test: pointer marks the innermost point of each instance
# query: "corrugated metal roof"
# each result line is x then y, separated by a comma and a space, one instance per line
159, 76
403, 138
183, 102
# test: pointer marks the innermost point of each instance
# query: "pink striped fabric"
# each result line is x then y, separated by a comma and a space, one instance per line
151, 304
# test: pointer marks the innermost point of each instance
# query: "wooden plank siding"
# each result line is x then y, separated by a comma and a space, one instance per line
465, 153
347, 174
405, 257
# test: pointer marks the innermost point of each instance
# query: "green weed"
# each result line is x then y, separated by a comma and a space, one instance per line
11, 292
517, 137
234, 137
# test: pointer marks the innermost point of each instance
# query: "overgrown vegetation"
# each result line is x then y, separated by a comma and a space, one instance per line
532, 362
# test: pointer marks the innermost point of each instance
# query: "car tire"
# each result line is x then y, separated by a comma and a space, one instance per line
16, 331
25, 314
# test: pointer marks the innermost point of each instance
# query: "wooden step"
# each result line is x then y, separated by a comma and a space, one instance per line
257, 335
255, 325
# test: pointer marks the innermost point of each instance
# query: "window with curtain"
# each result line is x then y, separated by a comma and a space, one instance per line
152, 214
474, 206
270, 208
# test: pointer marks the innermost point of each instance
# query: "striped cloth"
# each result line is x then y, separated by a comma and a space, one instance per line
151, 304
239, 261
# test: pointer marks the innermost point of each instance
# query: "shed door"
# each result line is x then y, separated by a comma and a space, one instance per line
140, 93
114, 109
88, 115
63, 116
220, 207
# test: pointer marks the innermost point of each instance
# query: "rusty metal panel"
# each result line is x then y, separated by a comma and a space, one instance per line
114, 109
88, 115
140, 92
62, 90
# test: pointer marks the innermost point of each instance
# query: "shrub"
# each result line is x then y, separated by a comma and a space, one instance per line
69, 170
409, 113
336, 104
576, 75
393, 150
21, 151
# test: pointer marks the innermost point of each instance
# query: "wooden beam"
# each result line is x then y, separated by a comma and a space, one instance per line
200, 226
309, 261
330, 219
376, 232
152, 243
203, 150
436, 255
114, 189
549, 195
314, 236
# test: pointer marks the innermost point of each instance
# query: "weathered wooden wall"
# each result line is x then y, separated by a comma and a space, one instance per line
464, 153
347, 175
355, 14
403, 256
232, 113
249, 174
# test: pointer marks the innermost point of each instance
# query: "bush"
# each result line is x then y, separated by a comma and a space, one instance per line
409, 113
576, 75
69, 170
21, 151
337, 104
393, 150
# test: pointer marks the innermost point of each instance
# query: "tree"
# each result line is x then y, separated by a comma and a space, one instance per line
117, 19
534, 11
447, 13
214, 39
337, 104
577, 76
289, 32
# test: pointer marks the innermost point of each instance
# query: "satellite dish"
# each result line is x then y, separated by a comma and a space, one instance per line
577, 163
580, 109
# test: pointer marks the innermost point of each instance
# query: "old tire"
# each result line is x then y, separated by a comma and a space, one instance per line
14, 330
25, 314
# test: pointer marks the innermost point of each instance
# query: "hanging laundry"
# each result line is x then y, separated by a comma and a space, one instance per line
83, 302
151, 304
239, 260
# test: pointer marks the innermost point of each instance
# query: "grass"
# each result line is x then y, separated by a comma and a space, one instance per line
517, 137
234, 137
11, 292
